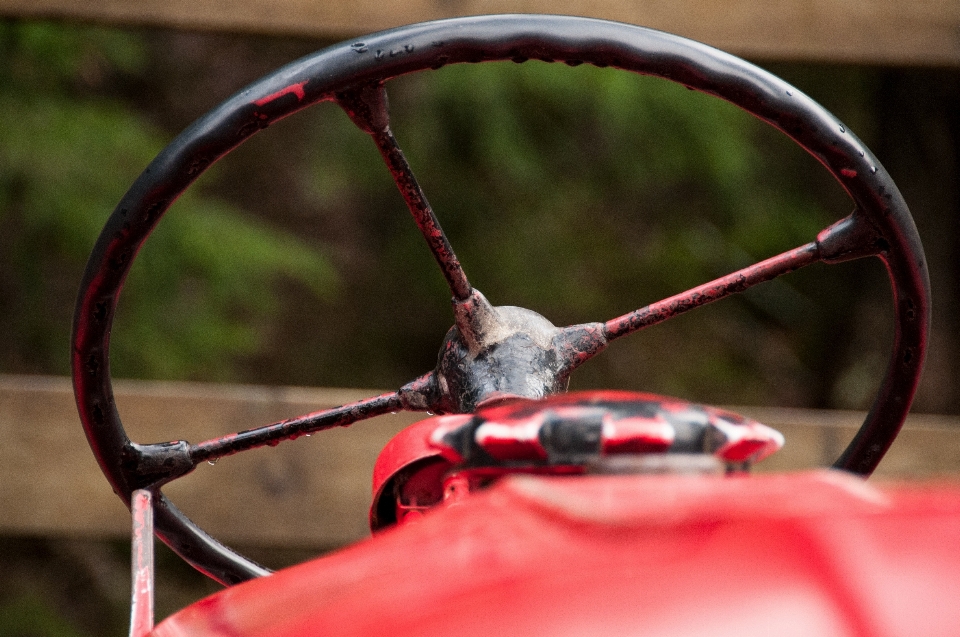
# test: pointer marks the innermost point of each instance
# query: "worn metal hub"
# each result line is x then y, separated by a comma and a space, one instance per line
494, 353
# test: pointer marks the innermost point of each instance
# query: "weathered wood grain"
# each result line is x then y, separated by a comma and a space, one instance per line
876, 32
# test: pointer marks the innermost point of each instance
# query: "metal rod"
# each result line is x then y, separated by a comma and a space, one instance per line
713, 291
368, 107
291, 428
423, 214
141, 606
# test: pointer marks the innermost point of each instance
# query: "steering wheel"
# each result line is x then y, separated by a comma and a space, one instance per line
491, 352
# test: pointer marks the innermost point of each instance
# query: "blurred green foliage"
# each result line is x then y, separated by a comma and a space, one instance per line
68, 147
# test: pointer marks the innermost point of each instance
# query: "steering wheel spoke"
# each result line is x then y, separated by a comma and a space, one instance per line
421, 394
368, 107
720, 288
853, 237
292, 428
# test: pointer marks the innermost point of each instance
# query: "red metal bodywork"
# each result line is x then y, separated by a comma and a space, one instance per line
820, 553
440, 460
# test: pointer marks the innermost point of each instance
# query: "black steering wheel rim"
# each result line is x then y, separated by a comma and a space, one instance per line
379, 57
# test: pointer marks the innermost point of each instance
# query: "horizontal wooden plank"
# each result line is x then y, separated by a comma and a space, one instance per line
928, 446
310, 493
876, 32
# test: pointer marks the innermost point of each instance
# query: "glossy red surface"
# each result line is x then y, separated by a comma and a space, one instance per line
817, 553
409, 447
595, 424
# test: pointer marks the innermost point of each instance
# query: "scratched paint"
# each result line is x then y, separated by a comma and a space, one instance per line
293, 89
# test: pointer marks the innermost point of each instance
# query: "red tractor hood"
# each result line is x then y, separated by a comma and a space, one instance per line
818, 553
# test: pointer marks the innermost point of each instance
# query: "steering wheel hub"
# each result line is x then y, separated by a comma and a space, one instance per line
494, 353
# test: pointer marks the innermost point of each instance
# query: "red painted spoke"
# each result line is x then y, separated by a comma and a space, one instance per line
295, 427
422, 213
367, 107
713, 291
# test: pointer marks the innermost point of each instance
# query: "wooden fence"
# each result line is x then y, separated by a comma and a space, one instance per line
870, 31
312, 492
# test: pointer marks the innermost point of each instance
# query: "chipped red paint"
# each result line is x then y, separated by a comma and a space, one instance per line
579, 343
367, 107
423, 214
715, 290
296, 89
293, 428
